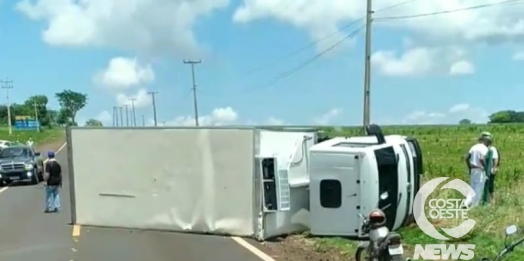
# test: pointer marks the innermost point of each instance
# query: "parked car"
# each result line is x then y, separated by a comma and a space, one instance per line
4, 144
20, 163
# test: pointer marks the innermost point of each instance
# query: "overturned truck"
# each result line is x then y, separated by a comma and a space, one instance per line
347, 175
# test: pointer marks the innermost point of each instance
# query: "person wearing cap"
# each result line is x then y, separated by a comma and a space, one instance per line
475, 161
53, 182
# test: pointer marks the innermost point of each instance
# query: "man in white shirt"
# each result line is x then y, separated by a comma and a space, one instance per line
476, 162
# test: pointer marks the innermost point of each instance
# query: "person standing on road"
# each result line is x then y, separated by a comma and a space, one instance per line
30, 142
476, 165
53, 182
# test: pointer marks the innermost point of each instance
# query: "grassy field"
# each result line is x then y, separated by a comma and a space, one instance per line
45, 136
444, 148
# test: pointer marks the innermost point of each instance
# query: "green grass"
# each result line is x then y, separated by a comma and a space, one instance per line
444, 148
45, 136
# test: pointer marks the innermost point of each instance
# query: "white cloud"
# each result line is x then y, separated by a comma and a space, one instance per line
105, 117
452, 116
418, 61
327, 117
518, 56
219, 116
413, 62
461, 107
143, 26
275, 121
462, 67
424, 117
143, 99
492, 25
122, 73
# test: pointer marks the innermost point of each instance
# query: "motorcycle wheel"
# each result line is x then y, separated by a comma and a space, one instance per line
362, 254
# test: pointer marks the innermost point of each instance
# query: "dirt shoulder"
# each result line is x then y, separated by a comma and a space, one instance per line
305, 248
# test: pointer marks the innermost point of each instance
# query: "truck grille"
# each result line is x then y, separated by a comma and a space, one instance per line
13, 166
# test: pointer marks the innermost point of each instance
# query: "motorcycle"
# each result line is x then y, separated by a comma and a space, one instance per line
383, 245
510, 230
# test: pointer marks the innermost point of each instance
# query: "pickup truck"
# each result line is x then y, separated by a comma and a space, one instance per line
20, 163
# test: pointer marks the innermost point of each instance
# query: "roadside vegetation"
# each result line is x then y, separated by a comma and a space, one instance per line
444, 149
45, 136
52, 120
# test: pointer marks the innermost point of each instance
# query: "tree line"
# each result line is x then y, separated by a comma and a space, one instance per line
506, 116
71, 103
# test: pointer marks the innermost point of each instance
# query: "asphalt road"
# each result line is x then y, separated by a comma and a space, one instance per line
29, 234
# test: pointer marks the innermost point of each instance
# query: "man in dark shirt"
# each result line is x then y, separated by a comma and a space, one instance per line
53, 181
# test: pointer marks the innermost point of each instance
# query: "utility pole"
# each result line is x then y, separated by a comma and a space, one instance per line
367, 67
195, 102
154, 105
127, 115
133, 111
121, 116
7, 84
35, 105
143, 120
115, 116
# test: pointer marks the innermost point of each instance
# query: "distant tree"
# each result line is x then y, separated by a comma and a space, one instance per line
507, 116
63, 118
41, 106
464, 122
94, 123
71, 102
53, 117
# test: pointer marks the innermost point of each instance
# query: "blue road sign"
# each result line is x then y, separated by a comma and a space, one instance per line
26, 124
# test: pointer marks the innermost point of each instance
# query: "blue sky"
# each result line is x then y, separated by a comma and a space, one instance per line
50, 45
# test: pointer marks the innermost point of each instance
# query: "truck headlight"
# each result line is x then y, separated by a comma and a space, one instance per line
29, 166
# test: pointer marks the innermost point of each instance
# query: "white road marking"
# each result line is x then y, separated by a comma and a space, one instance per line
61, 148
257, 252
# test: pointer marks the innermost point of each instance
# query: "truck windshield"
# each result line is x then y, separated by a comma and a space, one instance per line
15, 152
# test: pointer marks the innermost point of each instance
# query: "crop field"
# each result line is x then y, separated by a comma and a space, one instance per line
444, 149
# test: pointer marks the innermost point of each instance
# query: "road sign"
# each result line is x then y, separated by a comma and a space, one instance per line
26, 123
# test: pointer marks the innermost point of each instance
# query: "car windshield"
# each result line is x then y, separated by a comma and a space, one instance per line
15, 152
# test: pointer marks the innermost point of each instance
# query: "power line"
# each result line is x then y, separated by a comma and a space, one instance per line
303, 48
448, 11
285, 74
314, 43
394, 6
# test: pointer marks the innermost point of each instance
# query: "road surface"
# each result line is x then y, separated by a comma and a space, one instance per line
29, 234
